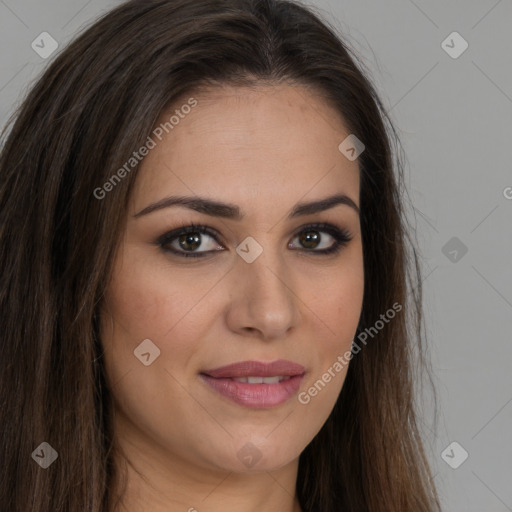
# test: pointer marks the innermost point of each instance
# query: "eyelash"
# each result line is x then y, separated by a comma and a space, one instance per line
341, 236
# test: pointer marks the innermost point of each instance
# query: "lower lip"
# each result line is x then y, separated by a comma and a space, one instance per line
257, 396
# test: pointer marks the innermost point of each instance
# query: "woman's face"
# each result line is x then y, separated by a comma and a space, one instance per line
255, 288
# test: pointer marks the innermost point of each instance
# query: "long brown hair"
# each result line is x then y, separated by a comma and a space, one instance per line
94, 106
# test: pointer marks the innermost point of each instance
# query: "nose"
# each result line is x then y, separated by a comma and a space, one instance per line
263, 302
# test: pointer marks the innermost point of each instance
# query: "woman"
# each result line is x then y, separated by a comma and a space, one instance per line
205, 273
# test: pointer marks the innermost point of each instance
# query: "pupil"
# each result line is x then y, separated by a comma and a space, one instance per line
310, 239
192, 239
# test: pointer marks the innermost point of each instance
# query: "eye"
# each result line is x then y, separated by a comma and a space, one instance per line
187, 240
319, 239
313, 241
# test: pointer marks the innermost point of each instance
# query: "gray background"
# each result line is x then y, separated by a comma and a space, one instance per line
454, 117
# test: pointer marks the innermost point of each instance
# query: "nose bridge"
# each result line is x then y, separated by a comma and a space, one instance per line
266, 301
268, 280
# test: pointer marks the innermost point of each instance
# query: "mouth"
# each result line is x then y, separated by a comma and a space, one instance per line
256, 384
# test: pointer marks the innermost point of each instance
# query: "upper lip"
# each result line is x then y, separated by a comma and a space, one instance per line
256, 369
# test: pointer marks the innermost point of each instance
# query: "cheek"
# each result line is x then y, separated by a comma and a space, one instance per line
152, 300
148, 303
338, 308
338, 298
155, 301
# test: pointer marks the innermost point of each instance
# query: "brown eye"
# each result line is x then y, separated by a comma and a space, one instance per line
319, 239
322, 239
187, 241
310, 239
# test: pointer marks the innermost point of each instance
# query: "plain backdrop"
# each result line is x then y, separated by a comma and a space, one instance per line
452, 107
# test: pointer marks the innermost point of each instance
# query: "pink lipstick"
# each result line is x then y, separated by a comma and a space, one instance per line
256, 384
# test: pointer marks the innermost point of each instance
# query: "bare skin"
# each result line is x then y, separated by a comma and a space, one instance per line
264, 149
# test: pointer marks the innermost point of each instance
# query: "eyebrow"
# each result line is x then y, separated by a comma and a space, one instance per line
231, 211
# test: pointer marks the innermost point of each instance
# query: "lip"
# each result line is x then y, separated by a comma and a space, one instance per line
257, 396
256, 369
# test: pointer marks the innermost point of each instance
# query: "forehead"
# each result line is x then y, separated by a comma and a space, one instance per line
271, 143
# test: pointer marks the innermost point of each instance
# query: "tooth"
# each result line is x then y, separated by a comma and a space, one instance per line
261, 380
271, 380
